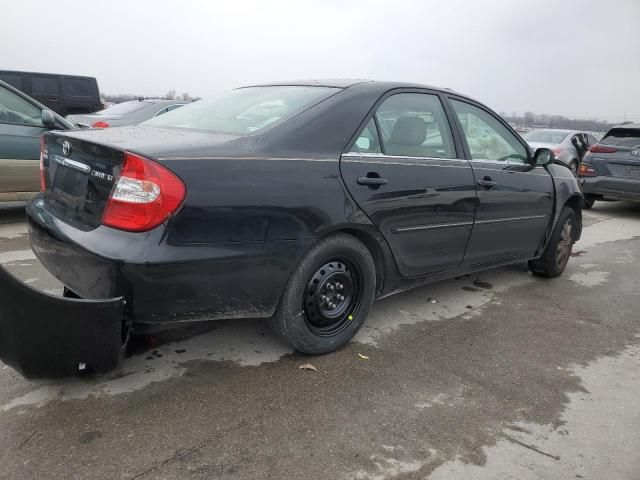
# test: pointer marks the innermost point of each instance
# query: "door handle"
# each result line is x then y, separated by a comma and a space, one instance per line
372, 180
487, 182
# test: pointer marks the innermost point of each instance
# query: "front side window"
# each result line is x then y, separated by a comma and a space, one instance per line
415, 125
16, 110
246, 110
368, 140
487, 137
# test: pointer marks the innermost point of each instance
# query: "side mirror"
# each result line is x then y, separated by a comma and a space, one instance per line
48, 120
543, 156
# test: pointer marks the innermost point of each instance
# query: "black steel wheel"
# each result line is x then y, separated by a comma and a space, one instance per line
327, 297
334, 295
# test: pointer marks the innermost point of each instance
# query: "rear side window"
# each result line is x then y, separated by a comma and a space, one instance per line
487, 137
15, 110
414, 125
368, 140
44, 85
77, 87
622, 137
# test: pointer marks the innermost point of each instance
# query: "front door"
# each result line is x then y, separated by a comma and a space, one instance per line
20, 131
404, 172
515, 199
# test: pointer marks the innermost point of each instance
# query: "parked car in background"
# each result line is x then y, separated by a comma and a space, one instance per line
22, 123
64, 94
125, 113
298, 202
611, 168
568, 146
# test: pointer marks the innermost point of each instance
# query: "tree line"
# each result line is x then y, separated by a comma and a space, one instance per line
170, 95
532, 120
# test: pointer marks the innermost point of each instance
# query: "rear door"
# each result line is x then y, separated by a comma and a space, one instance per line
46, 89
409, 176
20, 130
515, 199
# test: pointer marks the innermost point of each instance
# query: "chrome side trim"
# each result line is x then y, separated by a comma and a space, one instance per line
281, 159
415, 228
406, 157
67, 162
511, 219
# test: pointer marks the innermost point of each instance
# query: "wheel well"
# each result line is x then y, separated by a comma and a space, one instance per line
575, 204
376, 252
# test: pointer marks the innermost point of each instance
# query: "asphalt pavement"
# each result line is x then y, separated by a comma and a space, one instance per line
501, 375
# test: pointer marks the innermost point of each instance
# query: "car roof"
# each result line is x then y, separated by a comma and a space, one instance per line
347, 83
627, 125
22, 72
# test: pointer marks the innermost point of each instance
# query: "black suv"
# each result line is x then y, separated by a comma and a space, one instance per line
64, 94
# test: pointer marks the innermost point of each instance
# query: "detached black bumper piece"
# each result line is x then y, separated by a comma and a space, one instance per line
45, 336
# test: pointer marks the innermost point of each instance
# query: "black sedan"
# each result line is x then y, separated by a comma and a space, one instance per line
297, 202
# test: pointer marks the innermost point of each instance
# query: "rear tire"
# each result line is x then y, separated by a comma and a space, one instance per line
327, 297
588, 202
558, 251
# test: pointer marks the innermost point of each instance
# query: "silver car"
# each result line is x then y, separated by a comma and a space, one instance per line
125, 113
569, 146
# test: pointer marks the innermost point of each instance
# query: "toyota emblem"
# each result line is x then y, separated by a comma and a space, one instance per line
66, 148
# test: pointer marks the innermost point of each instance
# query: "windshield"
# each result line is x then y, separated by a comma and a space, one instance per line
124, 108
622, 137
245, 110
545, 136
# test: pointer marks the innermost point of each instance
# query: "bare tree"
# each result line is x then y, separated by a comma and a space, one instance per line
171, 95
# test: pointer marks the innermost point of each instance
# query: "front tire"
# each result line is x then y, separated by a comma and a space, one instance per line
327, 297
558, 251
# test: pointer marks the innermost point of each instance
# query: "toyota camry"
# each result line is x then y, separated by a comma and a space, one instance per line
297, 202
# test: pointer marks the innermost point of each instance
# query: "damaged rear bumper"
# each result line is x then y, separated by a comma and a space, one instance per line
46, 336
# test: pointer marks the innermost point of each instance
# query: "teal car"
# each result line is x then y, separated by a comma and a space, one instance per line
22, 122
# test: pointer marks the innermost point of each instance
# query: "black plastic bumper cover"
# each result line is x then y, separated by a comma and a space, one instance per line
45, 336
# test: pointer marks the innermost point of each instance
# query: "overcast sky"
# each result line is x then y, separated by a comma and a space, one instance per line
579, 58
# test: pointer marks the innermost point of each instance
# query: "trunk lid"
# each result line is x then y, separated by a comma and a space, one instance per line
624, 162
82, 166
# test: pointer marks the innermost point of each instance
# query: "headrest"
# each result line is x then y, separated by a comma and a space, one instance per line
409, 131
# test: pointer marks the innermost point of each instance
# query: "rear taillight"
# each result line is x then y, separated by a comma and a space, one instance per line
601, 149
144, 195
99, 124
587, 170
43, 152
557, 151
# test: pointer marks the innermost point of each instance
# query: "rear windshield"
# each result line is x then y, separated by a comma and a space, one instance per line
245, 110
124, 108
545, 136
622, 137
